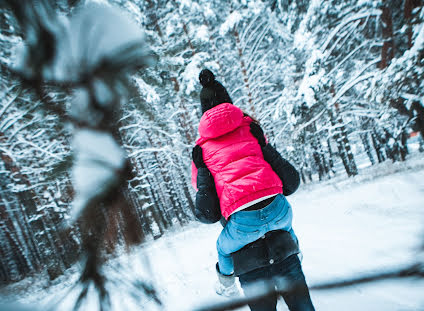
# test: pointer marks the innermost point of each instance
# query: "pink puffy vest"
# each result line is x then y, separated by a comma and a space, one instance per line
234, 158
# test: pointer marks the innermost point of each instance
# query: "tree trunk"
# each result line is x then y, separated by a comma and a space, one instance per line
319, 159
388, 48
244, 72
343, 144
330, 156
367, 146
409, 6
381, 155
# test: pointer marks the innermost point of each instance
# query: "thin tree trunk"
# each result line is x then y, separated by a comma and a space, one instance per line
409, 6
381, 155
367, 146
343, 144
388, 48
244, 72
341, 138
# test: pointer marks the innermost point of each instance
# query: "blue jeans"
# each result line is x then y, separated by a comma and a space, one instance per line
244, 227
289, 271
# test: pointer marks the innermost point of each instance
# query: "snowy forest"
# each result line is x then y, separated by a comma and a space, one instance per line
99, 111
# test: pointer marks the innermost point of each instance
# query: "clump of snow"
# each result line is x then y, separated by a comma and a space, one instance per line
189, 6
419, 39
311, 79
190, 75
98, 31
315, 4
255, 7
207, 11
202, 34
98, 159
149, 93
81, 108
213, 66
229, 23
301, 38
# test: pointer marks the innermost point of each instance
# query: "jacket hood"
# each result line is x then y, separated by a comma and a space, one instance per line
220, 120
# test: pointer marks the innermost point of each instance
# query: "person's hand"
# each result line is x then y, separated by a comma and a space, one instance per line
258, 133
226, 285
197, 155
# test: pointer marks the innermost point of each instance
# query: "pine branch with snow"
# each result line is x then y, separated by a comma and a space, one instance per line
92, 54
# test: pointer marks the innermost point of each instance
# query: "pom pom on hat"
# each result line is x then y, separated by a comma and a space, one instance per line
213, 92
206, 77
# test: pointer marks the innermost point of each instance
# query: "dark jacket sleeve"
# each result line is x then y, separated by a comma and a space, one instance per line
207, 208
287, 173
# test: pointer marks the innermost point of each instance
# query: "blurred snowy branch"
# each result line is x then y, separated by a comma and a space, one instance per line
91, 54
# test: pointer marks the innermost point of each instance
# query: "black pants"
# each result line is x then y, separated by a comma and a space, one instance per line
297, 297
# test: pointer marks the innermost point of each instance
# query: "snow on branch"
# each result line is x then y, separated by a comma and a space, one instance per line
11, 101
230, 22
346, 87
351, 19
247, 30
91, 55
365, 43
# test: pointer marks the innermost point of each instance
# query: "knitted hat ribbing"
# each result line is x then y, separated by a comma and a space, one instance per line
213, 92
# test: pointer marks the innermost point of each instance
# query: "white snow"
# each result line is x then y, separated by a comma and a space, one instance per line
345, 22
229, 23
190, 76
93, 40
346, 227
419, 40
207, 11
98, 159
202, 34
149, 93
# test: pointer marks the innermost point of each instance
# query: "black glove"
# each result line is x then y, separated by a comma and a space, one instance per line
257, 132
197, 155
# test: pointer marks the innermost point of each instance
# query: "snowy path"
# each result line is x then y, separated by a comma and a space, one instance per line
343, 231
345, 227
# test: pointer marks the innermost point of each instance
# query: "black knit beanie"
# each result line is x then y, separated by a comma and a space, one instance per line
213, 93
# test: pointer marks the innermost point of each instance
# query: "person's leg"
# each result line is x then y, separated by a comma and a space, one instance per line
289, 273
254, 282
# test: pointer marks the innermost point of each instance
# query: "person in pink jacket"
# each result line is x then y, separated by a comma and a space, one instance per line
243, 180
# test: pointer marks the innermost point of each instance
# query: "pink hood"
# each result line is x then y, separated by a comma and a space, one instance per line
234, 159
217, 122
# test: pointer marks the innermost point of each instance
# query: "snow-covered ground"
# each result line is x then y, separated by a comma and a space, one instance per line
346, 228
